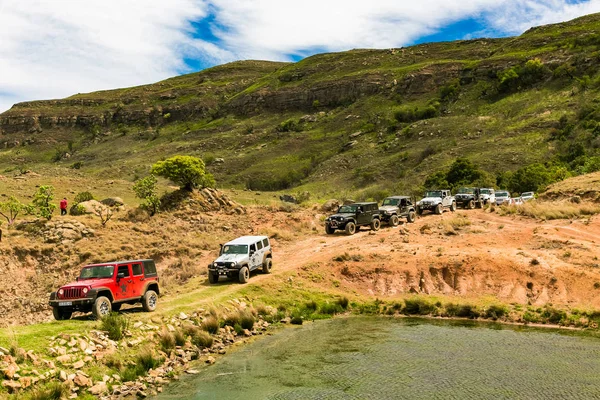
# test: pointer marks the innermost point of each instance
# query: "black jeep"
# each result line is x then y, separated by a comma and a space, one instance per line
396, 207
352, 216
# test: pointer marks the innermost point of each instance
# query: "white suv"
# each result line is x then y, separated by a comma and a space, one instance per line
437, 201
241, 256
487, 196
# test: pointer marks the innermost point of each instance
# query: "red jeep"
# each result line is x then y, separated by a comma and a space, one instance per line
101, 288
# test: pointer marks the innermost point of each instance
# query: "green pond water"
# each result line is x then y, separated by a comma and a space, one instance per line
381, 358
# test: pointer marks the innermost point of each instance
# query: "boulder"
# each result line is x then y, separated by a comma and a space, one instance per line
87, 207
113, 202
330, 205
288, 198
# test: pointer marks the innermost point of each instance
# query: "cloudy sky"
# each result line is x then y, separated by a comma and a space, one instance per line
53, 49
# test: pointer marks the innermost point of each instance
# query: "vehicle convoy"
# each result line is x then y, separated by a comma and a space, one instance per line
503, 197
240, 257
437, 201
468, 197
395, 207
351, 217
487, 196
102, 288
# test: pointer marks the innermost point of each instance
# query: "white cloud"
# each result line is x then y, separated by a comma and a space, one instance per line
52, 49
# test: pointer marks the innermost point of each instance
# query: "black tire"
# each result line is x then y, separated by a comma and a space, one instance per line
213, 278
411, 217
394, 221
350, 228
149, 301
244, 275
453, 206
116, 306
61, 314
471, 204
419, 211
329, 230
439, 209
375, 224
102, 307
266, 268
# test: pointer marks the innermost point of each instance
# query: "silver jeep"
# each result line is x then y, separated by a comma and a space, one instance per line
436, 201
241, 256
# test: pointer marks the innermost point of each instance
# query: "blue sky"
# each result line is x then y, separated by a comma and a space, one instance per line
59, 48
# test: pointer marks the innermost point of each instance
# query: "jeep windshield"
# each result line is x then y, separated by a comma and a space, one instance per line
501, 194
391, 202
98, 271
435, 193
235, 249
347, 210
486, 191
466, 191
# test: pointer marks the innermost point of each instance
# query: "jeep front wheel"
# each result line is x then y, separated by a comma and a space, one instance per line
101, 307
439, 209
213, 278
471, 204
350, 228
244, 275
411, 216
60, 314
149, 301
266, 268
375, 224
453, 206
394, 220
329, 230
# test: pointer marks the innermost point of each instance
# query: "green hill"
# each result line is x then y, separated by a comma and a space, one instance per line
361, 120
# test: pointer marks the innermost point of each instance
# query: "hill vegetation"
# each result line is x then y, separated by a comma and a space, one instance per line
523, 111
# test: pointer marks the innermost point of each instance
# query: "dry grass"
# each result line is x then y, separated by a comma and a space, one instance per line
547, 210
451, 225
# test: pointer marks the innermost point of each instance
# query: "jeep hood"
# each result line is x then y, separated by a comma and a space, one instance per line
431, 200
231, 258
388, 208
345, 215
97, 282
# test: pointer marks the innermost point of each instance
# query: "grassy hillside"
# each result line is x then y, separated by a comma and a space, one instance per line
361, 121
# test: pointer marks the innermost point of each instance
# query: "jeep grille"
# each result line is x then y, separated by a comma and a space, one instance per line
72, 293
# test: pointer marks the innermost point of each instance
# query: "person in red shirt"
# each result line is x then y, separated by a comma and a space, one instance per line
63, 206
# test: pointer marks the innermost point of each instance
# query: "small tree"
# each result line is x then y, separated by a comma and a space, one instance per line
186, 171
11, 209
104, 213
42, 202
83, 196
145, 189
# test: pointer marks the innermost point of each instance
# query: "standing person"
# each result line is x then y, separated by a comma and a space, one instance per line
63, 206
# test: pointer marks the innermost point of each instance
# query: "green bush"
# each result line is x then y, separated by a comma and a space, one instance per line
553, 315
330, 308
202, 339
83, 196
311, 305
289, 126
407, 114
115, 324
418, 307
343, 302
521, 76
246, 320
186, 171
210, 325
494, 312
296, 318
50, 391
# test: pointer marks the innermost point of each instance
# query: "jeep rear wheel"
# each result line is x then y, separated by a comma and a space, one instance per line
213, 278
453, 206
101, 307
394, 220
471, 204
329, 230
266, 268
439, 209
411, 216
375, 224
350, 228
149, 301
244, 275
61, 314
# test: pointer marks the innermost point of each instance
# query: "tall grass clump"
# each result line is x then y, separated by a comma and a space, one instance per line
418, 307
343, 302
201, 339
143, 362
549, 210
116, 325
330, 308
494, 312
246, 320
210, 324
51, 391
311, 305
232, 319
461, 310
166, 340
179, 337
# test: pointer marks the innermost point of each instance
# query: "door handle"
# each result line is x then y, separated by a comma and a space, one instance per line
129, 281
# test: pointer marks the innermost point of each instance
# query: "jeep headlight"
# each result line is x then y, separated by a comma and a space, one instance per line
61, 292
232, 264
85, 290
385, 212
214, 264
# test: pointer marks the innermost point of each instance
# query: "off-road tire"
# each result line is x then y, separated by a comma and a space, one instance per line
101, 307
116, 306
453, 206
213, 278
329, 230
149, 301
375, 224
471, 204
439, 209
61, 315
394, 221
350, 228
419, 211
244, 275
411, 217
266, 267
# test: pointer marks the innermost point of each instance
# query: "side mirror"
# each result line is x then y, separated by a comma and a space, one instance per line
252, 252
77, 279
120, 275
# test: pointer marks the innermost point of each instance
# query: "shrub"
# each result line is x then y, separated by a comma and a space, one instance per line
462, 311
51, 391
210, 325
246, 320
42, 205
166, 341
553, 315
83, 196
296, 318
144, 361
494, 312
311, 305
116, 325
418, 307
77, 165
179, 338
330, 308
343, 302
289, 126
145, 189
186, 171
202, 339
